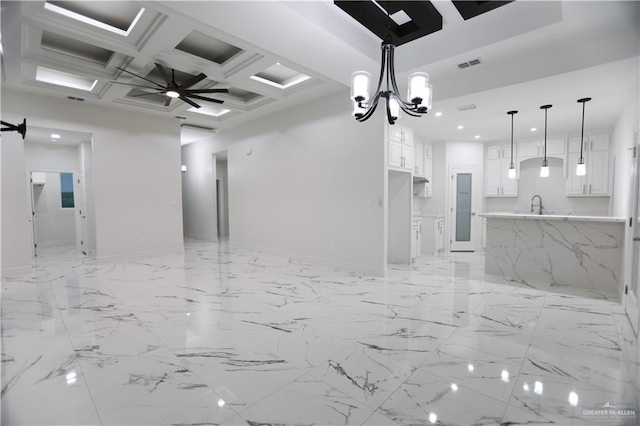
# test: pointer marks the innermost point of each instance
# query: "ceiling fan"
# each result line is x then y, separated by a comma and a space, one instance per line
174, 90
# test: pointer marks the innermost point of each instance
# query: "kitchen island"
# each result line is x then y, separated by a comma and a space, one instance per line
568, 251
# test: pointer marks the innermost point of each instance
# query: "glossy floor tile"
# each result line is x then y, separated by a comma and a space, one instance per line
227, 336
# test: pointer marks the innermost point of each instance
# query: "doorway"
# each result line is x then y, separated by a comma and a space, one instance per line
463, 204
631, 302
221, 195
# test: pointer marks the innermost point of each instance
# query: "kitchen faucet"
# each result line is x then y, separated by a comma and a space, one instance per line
539, 205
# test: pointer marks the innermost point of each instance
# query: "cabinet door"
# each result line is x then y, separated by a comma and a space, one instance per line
428, 173
407, 135
439, 240
506, 153
395, 153
599, 143
419, 159
492, 186
428, 151
527, 149
493, 152
395, 132
575, 184
598, 173
509, 186
554, 147
407, 153
574, 144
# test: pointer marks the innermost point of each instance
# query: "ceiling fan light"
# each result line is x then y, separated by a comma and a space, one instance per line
360, 86
172, 94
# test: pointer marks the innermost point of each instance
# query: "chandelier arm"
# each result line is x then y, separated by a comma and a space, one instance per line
410, 112
370, 109
394, 83
382, 67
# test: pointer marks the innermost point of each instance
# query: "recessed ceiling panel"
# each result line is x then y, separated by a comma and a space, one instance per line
280, 76
117, 14
470, 9
208, 48
211, 110
76, 48
242, 95
408, 20
59, 78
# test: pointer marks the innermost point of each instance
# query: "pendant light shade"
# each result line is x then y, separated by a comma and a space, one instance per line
581, 168
512, 168
544, 170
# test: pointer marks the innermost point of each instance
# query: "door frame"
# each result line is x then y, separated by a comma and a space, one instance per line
474, 243
631, 302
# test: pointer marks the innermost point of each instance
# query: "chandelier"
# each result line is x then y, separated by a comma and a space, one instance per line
420, 92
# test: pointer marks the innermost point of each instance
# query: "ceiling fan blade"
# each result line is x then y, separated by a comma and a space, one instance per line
190, 102
138, 85
163, 73
167, 102
207, 91
139, 76
218, 101
144, 94
195, 79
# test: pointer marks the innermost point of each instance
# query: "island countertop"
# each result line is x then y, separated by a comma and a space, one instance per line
505, 215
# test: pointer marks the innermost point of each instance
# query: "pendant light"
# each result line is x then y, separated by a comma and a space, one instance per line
581, 168
544, 170
512, 168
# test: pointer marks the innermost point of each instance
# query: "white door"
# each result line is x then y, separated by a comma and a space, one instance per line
632, 305
81, 212
463, 201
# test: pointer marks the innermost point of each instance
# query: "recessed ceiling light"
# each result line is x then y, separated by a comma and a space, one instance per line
533, 129
55, 136
59, 78
477, 136
460, 127
438, 114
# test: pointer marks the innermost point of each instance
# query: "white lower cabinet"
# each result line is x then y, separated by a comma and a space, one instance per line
416, 239
432, 234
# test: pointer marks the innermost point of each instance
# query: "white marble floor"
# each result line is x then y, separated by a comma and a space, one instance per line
230, 336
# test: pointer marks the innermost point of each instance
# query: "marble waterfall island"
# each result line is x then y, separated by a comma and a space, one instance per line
582, 252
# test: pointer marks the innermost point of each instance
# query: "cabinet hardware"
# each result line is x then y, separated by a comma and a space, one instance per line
589, 188
636, 239
584, 189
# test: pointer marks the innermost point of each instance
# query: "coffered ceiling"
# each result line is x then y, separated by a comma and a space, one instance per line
273, 55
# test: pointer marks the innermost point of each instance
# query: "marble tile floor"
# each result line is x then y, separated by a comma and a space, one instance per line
228, 336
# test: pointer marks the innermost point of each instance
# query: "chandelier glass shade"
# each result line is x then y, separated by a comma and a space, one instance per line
419, 93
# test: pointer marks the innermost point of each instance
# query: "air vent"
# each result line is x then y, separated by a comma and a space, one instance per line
471, 63
466, 107
181, 117
73, 98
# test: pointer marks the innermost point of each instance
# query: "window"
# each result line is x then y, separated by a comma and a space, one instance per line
66, 190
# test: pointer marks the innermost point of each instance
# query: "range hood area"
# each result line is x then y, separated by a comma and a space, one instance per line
418, 179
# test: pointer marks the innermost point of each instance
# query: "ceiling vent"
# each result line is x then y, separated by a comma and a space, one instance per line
467, 107
471, 63
73, 98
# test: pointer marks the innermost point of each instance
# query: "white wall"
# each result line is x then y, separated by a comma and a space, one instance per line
15, 205
223, 198
54, 225
307, 181
52, 158
136, 171
198, 191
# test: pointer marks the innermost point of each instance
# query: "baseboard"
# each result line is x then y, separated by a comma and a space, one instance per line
201, 237
16, 271
136, 255
57, 243
360, 269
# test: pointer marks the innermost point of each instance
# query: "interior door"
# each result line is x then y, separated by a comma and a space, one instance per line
632, 305
462, 209
81, 212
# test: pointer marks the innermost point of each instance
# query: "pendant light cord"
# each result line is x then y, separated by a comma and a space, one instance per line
582, 134
511, 139
545, 136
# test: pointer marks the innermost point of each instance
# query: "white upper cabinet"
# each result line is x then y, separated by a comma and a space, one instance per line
400, 142
497, 183
555, 148
423, 168
595, 152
